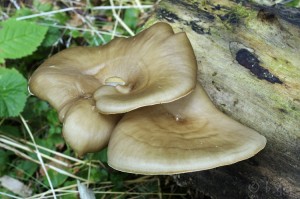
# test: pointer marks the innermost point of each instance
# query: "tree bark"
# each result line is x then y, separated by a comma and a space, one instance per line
249, 64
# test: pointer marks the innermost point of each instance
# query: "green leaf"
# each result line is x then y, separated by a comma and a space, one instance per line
23, 12
20, 38
294, 3
42, 6
56, 178
101, 155
13, 92
52, 36
131, 17
61, 17
4, 160
10, 131
92, 39
26, 169
98, 175
75, 33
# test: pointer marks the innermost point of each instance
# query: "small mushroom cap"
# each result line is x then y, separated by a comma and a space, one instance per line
85, 129
187, 135
64, 82
155, 66
64, 77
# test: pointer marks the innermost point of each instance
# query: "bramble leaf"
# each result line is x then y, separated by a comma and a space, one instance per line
13, 92
20, 38
52, 36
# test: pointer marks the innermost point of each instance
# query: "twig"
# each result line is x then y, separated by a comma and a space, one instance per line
20, 153
138, 3
116, 22
30, 150
122, 7
159, 189
74, 28
15, 4
94, 30
46, 13
77, 161
119, 19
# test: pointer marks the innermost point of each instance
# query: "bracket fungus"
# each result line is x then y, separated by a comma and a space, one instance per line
169, 126
155, 66
187, 135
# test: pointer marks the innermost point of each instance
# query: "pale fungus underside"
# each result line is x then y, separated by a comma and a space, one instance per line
169, 124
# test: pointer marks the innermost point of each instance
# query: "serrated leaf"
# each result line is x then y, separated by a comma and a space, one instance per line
23, 12
13, 92
52, 36
20, 38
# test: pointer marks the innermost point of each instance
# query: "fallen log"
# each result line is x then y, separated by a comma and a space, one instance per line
249, 64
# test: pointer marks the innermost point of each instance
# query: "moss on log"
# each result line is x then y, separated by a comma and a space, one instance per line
249, 64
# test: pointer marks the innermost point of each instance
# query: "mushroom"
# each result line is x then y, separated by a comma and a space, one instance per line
61, 80
155, 66
85, 129
187, 135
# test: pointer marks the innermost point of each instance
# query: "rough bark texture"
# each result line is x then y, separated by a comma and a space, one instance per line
249, 64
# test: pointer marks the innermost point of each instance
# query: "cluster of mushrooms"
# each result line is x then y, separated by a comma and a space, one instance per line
140, 97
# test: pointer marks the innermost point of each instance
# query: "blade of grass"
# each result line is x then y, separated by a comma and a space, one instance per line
38, 162
38, 155
9, 195
122, 7
116, 22
139, 5
15, 4
122, 23
17, 145
47, 13
77, 161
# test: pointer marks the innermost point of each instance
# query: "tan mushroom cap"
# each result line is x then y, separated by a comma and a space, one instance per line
85, 129
156, 66
187, 135
61, 81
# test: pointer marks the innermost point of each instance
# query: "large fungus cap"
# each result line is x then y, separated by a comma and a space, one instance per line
187, 135
156, 66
